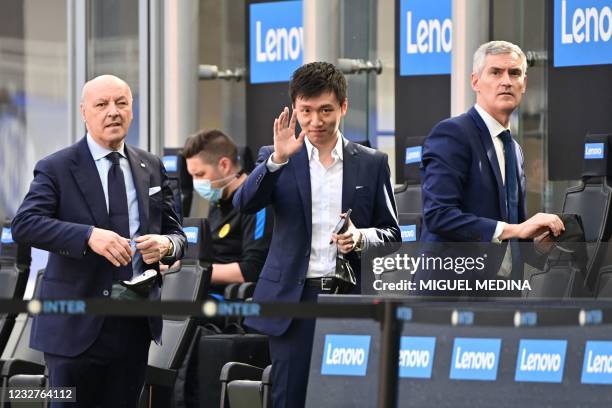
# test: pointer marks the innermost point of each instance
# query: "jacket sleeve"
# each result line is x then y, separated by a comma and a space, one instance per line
258, 189
35, 223
384, 227
445, 169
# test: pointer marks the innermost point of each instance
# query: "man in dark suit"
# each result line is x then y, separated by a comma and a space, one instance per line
105, 212
473, 182
309, 181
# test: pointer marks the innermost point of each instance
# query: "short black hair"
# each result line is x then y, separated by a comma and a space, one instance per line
211, 145
316, 78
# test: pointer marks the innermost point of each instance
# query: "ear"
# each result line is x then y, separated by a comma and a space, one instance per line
525, 84
225, 164
475, 79
82, 108
344, 106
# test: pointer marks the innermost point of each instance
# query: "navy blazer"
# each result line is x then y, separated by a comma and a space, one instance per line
65, 199
366, 188
462, 189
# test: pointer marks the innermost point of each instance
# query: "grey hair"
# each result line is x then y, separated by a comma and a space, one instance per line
495, 48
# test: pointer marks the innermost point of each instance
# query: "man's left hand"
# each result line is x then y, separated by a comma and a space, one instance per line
153, 247
346, 241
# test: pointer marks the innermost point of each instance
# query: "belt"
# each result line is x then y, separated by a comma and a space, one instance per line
326, 284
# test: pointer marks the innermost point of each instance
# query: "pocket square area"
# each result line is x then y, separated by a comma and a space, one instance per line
154, 190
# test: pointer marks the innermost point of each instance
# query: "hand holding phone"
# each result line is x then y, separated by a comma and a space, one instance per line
342, 224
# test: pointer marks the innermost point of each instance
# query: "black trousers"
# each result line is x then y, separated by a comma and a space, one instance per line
111, 372
290, 354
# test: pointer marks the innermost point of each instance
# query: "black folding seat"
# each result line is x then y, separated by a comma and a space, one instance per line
18, 358
245, 386
408, 195
591, 200
14, 271
189, 283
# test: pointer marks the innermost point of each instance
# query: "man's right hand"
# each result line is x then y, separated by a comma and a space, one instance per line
111, 245
533, 227
285, 142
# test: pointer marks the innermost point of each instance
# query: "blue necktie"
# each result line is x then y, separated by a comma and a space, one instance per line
512, 200
118, 209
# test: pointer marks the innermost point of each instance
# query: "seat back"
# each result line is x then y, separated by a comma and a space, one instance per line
410, 226
189, 283
408, 196
18, 344
176, 167
245, 158
245, 394
14, 270
592, 201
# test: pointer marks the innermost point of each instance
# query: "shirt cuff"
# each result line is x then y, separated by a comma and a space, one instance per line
498, 231
368, 235
272, 167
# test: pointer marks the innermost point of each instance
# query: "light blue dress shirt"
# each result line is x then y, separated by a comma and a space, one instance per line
103, 165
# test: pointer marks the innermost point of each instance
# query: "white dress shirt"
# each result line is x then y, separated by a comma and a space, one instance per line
495, 129
326, 199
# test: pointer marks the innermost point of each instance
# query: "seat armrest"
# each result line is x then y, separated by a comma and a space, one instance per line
27, 380
12, 367
239, 371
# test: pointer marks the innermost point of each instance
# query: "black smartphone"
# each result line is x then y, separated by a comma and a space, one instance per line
342, 224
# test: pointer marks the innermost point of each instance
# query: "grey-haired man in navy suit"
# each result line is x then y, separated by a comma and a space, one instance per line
105, 212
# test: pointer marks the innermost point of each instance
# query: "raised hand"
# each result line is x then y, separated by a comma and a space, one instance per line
285, 142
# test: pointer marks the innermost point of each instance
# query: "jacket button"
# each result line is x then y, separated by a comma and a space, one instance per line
300, 281
105, 292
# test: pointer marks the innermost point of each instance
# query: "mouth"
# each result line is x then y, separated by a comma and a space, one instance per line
505, 94
113, 125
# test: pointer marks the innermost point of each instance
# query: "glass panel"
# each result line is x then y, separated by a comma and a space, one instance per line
112, 48
522, 23
222, 103
33, 92
355, 34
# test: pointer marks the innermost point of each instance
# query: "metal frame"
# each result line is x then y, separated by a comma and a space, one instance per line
77, 64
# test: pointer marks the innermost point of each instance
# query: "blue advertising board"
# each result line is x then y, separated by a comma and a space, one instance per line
426, 36
276, 41
582, 32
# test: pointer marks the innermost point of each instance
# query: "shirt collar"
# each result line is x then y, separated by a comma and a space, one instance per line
98, 152
337, 151
494, 127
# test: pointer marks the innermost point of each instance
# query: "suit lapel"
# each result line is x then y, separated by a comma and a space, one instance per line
350, 174
87, 178
142, 177
487, 142
301, 171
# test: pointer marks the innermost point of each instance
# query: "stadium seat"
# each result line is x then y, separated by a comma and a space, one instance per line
14, 272
17, 357
189, 283
408, 195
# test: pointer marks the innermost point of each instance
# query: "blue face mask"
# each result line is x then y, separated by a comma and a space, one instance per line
205, 189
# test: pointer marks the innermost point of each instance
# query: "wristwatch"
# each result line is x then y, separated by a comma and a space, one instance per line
170, 248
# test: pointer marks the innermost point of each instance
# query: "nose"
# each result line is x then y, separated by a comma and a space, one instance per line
112, 110
506, 78
316, 119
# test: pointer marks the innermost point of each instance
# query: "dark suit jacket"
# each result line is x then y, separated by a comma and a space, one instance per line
366, 188
65, 199
463, 193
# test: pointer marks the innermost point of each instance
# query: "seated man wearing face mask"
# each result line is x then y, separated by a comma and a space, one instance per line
240, 241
